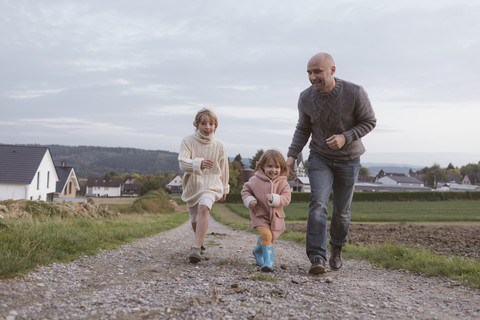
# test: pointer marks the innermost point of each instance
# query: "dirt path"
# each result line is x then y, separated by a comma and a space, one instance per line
152, 279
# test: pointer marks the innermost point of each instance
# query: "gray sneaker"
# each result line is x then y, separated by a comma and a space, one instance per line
194, 256
318, 266
335, 257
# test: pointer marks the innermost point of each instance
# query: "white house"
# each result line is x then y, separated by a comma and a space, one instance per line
400, 180
175, 185
27, 172
300, 184
104, 187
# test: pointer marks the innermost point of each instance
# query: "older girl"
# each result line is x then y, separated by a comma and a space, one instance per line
204, 160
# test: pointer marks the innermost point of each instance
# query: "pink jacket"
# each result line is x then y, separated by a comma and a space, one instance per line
267, 214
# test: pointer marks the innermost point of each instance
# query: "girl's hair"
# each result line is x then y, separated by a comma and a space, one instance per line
276, 157
205, 113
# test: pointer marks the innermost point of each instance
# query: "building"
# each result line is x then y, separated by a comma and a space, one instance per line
104, 187
131, 188
175, 186
67, 185
27, 172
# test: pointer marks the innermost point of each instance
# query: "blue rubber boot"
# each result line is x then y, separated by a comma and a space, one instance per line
257, 252
267, 258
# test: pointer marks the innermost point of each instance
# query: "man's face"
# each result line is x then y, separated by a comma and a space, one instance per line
320, 74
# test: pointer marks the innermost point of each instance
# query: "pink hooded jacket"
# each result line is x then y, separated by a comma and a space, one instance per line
267, 214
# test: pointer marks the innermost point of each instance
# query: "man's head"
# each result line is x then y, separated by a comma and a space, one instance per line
321, 70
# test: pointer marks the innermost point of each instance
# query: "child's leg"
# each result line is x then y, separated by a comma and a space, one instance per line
201, 226
266, 235
203, 216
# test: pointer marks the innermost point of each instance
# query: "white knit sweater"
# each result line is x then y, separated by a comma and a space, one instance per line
211, 183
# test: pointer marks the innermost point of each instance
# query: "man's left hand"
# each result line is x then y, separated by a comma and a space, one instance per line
336, 142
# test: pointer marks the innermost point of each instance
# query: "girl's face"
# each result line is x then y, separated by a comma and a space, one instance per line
271, 169
206, 126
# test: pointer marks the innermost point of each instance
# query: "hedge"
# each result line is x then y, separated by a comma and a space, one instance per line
385, 196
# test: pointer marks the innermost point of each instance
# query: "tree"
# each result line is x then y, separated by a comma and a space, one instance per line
364, 172
238, 158
255, 159
236, 178
433, 174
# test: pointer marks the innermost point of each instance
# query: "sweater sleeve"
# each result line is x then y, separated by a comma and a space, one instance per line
365, 119
225, 175
302, 131
283, 198
186, 161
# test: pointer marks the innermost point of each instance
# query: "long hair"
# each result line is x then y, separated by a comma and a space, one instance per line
276, 157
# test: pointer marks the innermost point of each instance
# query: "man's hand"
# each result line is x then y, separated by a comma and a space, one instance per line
336, 142
252, 204
291, 165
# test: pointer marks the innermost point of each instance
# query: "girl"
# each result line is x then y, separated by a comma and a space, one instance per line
265, 194
204, 160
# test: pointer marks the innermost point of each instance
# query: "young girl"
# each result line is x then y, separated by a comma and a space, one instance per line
265, 194
204, 160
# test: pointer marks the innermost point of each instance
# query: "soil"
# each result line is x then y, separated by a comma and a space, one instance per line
453, 239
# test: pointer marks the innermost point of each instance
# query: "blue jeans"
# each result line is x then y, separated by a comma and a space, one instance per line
328, 176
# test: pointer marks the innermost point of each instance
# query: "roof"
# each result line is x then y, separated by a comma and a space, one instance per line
18, 164
63, 173
113, 182
405, 179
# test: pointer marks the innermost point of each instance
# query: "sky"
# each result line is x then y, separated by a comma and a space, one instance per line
120, 73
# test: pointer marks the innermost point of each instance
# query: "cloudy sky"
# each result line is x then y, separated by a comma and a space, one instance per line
124, 73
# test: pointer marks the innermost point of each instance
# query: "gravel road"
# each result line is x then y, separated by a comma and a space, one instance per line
152, 279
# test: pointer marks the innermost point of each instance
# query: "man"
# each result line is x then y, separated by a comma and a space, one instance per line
336, 114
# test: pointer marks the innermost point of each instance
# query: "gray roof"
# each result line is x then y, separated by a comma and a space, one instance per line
63, 174
405, 179
18, 164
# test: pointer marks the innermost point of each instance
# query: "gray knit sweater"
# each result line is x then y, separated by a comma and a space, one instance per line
346, 109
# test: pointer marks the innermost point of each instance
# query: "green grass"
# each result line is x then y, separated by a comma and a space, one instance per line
395, 211
26, 243
390, 256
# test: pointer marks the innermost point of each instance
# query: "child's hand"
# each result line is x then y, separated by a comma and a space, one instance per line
269, 197
252, 204
206, 164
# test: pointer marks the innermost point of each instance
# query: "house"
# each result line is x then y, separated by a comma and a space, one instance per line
104, 187
400, 180
175, 186
27, 172
300, 184
67, 185
131, 188
471, 178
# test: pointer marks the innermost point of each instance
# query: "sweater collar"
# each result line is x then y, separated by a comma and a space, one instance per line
203, 138
328, 96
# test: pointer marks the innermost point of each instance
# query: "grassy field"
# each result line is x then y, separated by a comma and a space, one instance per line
390, 212
28, 243
388, 256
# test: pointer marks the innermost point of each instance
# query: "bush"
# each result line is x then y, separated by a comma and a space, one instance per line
156, 201
384, 196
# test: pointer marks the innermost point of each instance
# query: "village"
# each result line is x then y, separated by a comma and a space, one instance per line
30, 173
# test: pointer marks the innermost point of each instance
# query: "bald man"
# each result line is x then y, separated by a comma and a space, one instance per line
335, 114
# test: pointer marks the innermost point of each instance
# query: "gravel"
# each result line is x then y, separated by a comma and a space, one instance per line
152, 279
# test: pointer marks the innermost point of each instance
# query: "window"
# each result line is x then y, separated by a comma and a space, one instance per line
48, 179
70, 187
38, 180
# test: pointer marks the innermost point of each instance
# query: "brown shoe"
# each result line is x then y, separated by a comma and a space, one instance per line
318, 266
335, 257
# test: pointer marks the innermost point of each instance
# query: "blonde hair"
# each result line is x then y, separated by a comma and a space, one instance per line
274, 156
205, 113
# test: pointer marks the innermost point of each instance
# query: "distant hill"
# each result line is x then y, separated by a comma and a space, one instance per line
97, 161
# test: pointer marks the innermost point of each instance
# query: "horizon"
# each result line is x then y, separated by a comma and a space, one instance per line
443, 159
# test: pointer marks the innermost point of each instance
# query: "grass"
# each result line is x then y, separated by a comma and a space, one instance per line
390, 212
388, 256
28, 243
